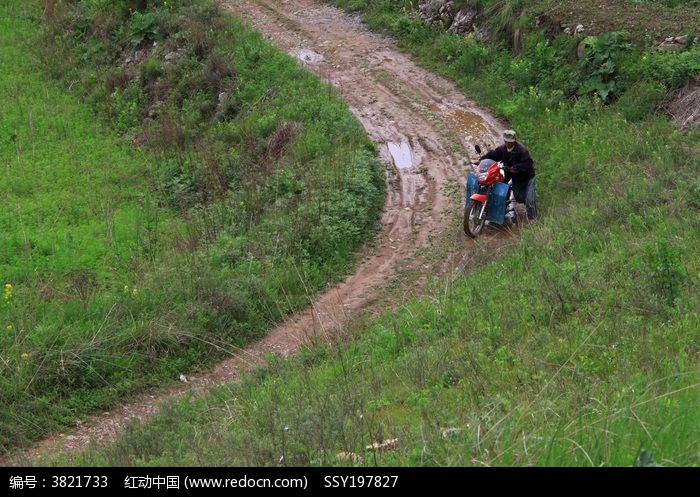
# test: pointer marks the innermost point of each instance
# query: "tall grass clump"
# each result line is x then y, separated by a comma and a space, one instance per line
177, 187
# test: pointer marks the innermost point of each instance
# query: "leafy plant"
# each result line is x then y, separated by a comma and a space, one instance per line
143, 27
598, 63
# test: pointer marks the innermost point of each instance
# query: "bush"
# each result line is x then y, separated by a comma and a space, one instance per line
151, 69
473, 58
640, 101
670, 70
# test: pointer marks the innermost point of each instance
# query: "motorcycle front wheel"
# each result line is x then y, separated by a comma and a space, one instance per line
473, 224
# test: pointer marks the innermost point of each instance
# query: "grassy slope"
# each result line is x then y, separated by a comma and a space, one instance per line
577, 347
72, 222
110, 290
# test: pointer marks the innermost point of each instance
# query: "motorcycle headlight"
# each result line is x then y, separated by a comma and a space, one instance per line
483, 176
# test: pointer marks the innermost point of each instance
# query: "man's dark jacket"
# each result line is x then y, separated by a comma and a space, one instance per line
518, 163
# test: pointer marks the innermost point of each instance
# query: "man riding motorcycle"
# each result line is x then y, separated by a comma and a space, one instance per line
519, 168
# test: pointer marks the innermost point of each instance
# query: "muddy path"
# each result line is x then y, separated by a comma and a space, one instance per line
423, 128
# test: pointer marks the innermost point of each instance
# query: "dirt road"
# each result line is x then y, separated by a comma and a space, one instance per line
423, 127
420, 122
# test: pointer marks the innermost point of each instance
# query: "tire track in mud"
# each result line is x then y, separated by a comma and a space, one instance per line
422, 126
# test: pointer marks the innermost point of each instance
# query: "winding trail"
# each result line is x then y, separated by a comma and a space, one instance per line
423, 127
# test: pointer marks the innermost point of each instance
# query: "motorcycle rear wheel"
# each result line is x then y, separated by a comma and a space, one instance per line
473, 224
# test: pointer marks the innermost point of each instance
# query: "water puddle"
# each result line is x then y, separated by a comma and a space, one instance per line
307, 56
465, 122
401, 153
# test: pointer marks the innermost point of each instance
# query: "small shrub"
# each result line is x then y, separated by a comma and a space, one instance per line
126, 107
473, 58
665, 271
151, 70
640, 101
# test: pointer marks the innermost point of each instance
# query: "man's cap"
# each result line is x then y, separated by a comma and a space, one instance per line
509, 135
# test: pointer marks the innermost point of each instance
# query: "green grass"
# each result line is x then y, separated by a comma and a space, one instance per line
570, 385
141, 243
77, 215
65, 179
577, 346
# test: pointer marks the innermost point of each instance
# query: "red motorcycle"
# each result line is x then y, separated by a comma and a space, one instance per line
487, 198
